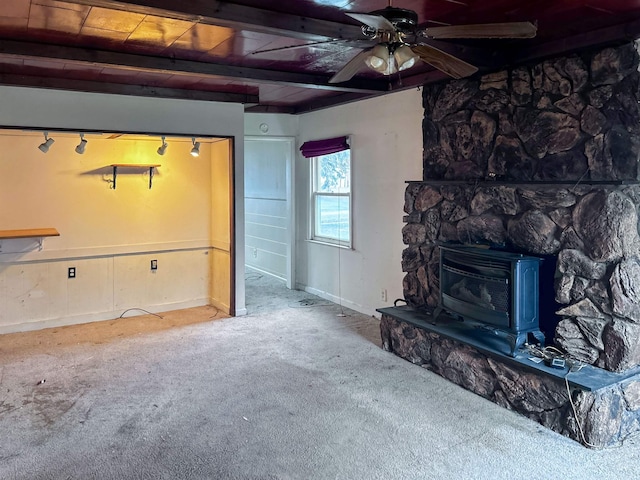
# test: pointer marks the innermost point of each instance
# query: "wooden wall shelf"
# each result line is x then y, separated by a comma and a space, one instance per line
38, 233
132, 166
29, 233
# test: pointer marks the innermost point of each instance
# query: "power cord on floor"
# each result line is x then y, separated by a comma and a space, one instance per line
142, 310
556, 358
215, 314
308, 303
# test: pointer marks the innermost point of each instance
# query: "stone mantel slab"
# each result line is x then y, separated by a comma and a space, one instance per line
588, 378
511, 183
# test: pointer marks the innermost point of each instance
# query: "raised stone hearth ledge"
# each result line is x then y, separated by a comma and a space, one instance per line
606, 416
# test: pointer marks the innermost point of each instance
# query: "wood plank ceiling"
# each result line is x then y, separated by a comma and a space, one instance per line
214, 50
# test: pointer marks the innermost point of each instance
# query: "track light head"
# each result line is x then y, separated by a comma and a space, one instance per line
163, 148
82, 145
195, 151
44, 146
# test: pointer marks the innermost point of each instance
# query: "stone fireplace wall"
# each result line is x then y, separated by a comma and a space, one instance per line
543, 160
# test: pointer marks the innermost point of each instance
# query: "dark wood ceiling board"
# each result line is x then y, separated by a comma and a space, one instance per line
236, 48
105, 38
15, 9
329, 10
113, 20
13, 24
202, 38
272, 93
235, 16
155, 30
492, 11
329, 61
57, 19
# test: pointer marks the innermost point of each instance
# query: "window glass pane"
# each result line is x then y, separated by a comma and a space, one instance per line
333, 173
332, 217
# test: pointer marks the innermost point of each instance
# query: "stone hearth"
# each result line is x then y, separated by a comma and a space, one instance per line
540, 160
604, 416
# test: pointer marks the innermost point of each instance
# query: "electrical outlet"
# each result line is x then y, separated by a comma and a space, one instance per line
154, 264
71, 273
255, 253
383, 294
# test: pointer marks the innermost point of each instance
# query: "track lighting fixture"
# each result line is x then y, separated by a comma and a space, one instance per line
195, 151
44, 147
82, 145
163, 148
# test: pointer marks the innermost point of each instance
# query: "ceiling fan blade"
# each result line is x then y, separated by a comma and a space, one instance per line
485, 30
294, 47
352, 67
373, 21
452, 66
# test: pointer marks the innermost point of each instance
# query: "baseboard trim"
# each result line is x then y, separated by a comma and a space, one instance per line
98, 317
223, 307
338, 300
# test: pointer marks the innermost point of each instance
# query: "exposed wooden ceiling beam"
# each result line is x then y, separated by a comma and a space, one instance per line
227, 14
172, 65
327, 102
618, 33
122, 89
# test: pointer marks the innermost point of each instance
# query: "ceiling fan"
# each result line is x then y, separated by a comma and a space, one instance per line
401, 43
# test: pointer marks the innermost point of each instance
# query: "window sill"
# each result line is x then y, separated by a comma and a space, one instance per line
330, 244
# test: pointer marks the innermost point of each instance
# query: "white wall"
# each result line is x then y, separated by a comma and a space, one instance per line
277, 125
50, 109
386, 150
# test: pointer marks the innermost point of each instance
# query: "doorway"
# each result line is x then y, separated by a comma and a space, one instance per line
268, 187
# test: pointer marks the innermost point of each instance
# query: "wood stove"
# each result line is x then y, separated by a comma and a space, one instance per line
497, 290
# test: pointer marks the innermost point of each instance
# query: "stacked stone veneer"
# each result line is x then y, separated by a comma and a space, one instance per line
513, 160
573, 120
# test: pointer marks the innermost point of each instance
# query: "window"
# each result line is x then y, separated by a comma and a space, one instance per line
331, 198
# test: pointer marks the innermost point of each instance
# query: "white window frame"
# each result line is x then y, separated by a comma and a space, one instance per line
312, 206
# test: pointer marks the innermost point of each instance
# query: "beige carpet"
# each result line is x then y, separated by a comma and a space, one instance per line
292, 391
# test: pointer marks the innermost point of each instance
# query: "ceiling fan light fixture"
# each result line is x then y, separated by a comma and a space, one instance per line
379, 58
405, 58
